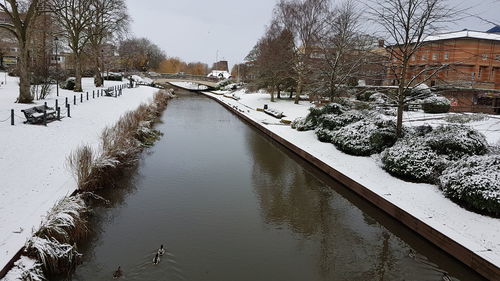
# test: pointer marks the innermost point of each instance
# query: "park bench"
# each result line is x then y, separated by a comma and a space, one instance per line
414, 106
39, 114
108, 93
273, 112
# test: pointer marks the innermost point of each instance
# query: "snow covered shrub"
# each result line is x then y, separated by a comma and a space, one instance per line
313, 118
69, 84
411, 159
473, 182
456, 141
55, 257
379, 98
66, 222
366, 137
364, 95
324, 135
335, 122
466, 118
301, 124
421, 130
25, 269
436, 105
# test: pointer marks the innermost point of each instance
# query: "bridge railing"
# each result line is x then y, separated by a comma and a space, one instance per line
186, 77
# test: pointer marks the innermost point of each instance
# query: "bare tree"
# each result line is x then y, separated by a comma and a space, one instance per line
341, 50
407, 23
306, 20
140, 54
22, 14
110, 20
75, 18
273, 59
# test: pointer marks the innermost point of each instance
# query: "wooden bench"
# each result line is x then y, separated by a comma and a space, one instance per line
273, 112
39, 114
108, 93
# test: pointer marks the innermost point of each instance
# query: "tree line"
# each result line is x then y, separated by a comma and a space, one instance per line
318, 47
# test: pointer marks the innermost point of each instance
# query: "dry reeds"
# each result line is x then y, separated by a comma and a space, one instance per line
121, 145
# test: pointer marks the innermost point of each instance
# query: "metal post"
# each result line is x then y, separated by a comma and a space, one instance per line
81, 98
45, 117
12, 117
57, 103
93, 94
69, 110
87, 95
74, 100
66, 101
58, 113
57, 65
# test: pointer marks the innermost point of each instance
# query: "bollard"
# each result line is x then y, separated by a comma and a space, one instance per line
66, 102
45, 117
69, 110
87, 95
93, 94
81, 98
12, 117
45, 103
74, 100
57, 103
116, 93
58, 113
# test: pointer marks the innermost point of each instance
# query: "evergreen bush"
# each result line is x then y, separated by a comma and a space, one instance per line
473, 183
436, 105
456, 141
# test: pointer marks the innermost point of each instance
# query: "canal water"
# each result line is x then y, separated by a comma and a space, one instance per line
230, 204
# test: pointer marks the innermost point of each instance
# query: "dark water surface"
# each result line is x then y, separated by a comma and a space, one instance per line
230, 204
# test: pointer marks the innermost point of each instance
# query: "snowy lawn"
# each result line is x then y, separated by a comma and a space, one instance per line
426, 202
33, 170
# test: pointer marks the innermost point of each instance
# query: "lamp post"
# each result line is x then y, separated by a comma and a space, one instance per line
56, 40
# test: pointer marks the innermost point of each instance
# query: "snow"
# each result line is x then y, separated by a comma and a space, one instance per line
25, 267
463, 34
33, 168
424, 201
189, 85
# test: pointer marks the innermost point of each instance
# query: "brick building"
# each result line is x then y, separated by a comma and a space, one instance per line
470, 75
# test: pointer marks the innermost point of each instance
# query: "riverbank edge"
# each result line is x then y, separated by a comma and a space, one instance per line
445, 243
10, 265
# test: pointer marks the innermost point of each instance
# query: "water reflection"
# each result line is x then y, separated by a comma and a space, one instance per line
230, 205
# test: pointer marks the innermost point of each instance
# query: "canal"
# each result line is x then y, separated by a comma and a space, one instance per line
231, 204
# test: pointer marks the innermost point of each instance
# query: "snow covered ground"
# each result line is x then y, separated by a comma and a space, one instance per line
33, 172
480, 234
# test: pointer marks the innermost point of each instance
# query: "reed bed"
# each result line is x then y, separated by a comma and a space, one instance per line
54, 244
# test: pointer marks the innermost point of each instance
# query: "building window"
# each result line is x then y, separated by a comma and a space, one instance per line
424, 57
413, 58
434, 56
485, 57
497, 57
446, 56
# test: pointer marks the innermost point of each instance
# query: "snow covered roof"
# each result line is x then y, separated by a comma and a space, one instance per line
219, 74
463, 34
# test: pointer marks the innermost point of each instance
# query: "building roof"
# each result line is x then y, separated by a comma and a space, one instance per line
463, 34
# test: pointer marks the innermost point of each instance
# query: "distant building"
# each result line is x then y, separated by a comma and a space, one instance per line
471, 74
221, 65
8, 45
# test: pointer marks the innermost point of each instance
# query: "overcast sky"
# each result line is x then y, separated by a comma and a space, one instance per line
200, 30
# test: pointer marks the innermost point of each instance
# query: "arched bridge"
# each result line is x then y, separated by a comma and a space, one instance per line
181, 80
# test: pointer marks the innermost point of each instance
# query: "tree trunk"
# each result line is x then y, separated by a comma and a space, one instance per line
78, 74
299, 90
399, 122
98, 79
279, 93
272, 95
24, 76
291, 93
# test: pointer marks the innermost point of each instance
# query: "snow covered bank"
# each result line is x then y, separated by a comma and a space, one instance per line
33, 168
474, 233
189, 86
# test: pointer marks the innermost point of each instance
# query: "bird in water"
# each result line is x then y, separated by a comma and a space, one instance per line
156, 260
118, 273
161, 251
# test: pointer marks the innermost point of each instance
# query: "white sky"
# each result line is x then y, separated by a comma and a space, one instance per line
196, 30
